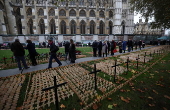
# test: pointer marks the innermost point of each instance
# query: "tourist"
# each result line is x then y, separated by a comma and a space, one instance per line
120, 46
124, 46
129, 44
66, 46
53, 55
72, 51
136, 44
108, 47
113, 47
32, 52
94, 46
99, 48
104, 48
140, 44
19, 52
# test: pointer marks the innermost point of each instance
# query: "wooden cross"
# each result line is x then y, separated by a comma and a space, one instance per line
144, 57
95, 78
55, 90
137, 61
127, 64
115, 70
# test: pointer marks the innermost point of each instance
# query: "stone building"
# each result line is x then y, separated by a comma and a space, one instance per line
93, 17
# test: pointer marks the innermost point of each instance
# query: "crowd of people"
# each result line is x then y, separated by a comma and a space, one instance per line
105, 48
19, 53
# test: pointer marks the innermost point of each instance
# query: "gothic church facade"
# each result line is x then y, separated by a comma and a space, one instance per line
66, 17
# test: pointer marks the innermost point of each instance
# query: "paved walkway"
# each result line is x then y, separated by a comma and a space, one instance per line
10, 72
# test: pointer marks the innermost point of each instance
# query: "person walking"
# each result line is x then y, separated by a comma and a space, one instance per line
19, 52
104, 48
53, 55
99, 46
113, 47
120, 46
124, 46
72, 51
129, 44
108, 47
32, 52
66, 46
94, 46
140, 44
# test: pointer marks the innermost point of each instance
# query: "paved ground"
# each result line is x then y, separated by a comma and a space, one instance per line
10, 72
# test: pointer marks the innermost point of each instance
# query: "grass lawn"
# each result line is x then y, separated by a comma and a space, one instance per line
8, 53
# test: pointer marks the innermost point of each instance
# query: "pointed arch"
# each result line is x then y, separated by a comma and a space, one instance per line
62, 12
123, 27
30, 26
40, 12
110, 27
110, 14
92, 13
73, 27
82, 13
29, 12
63, 27
82, 27
92, 27
101, 13
42, 26
52, 26
102, 27
72, 12
51, 12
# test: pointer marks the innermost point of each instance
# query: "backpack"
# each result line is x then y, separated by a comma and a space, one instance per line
54, 49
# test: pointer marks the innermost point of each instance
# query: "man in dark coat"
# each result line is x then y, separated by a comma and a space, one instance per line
66, 45
113, 47
19, 53
108, 45
140, 44
32, 52
129, 44
72, 51
100, 48
94, 46
53, 55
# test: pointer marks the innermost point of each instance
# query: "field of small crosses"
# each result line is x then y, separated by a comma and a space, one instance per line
24, 91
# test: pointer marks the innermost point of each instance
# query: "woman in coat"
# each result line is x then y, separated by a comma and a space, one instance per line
104, 48
72, 51
32, 52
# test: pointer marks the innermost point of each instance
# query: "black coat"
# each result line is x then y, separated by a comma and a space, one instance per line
31, 48
17, 49
72, 52
67, 45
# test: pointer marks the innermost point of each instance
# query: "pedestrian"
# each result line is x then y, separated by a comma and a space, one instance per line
129, 44
53, 55
72, 51
44, 44
120, 46
66, 46
140, 44
99, 46
94, 46
108, 47
32, 52
104, 48
113, 47
19, 52
124, 46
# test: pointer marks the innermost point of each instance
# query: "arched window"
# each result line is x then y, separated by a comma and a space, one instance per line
101, 26
82, 27
18, 21
29, 12
110, 27
92, 13
63, 27
62, 12
51, 12
123, 27
30, 26
92, 27
82, 13
72, 3
101, 13
73, 27
110, 14
72, 12
52, 27
1, 6
42, 26
41, 12
81, 2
